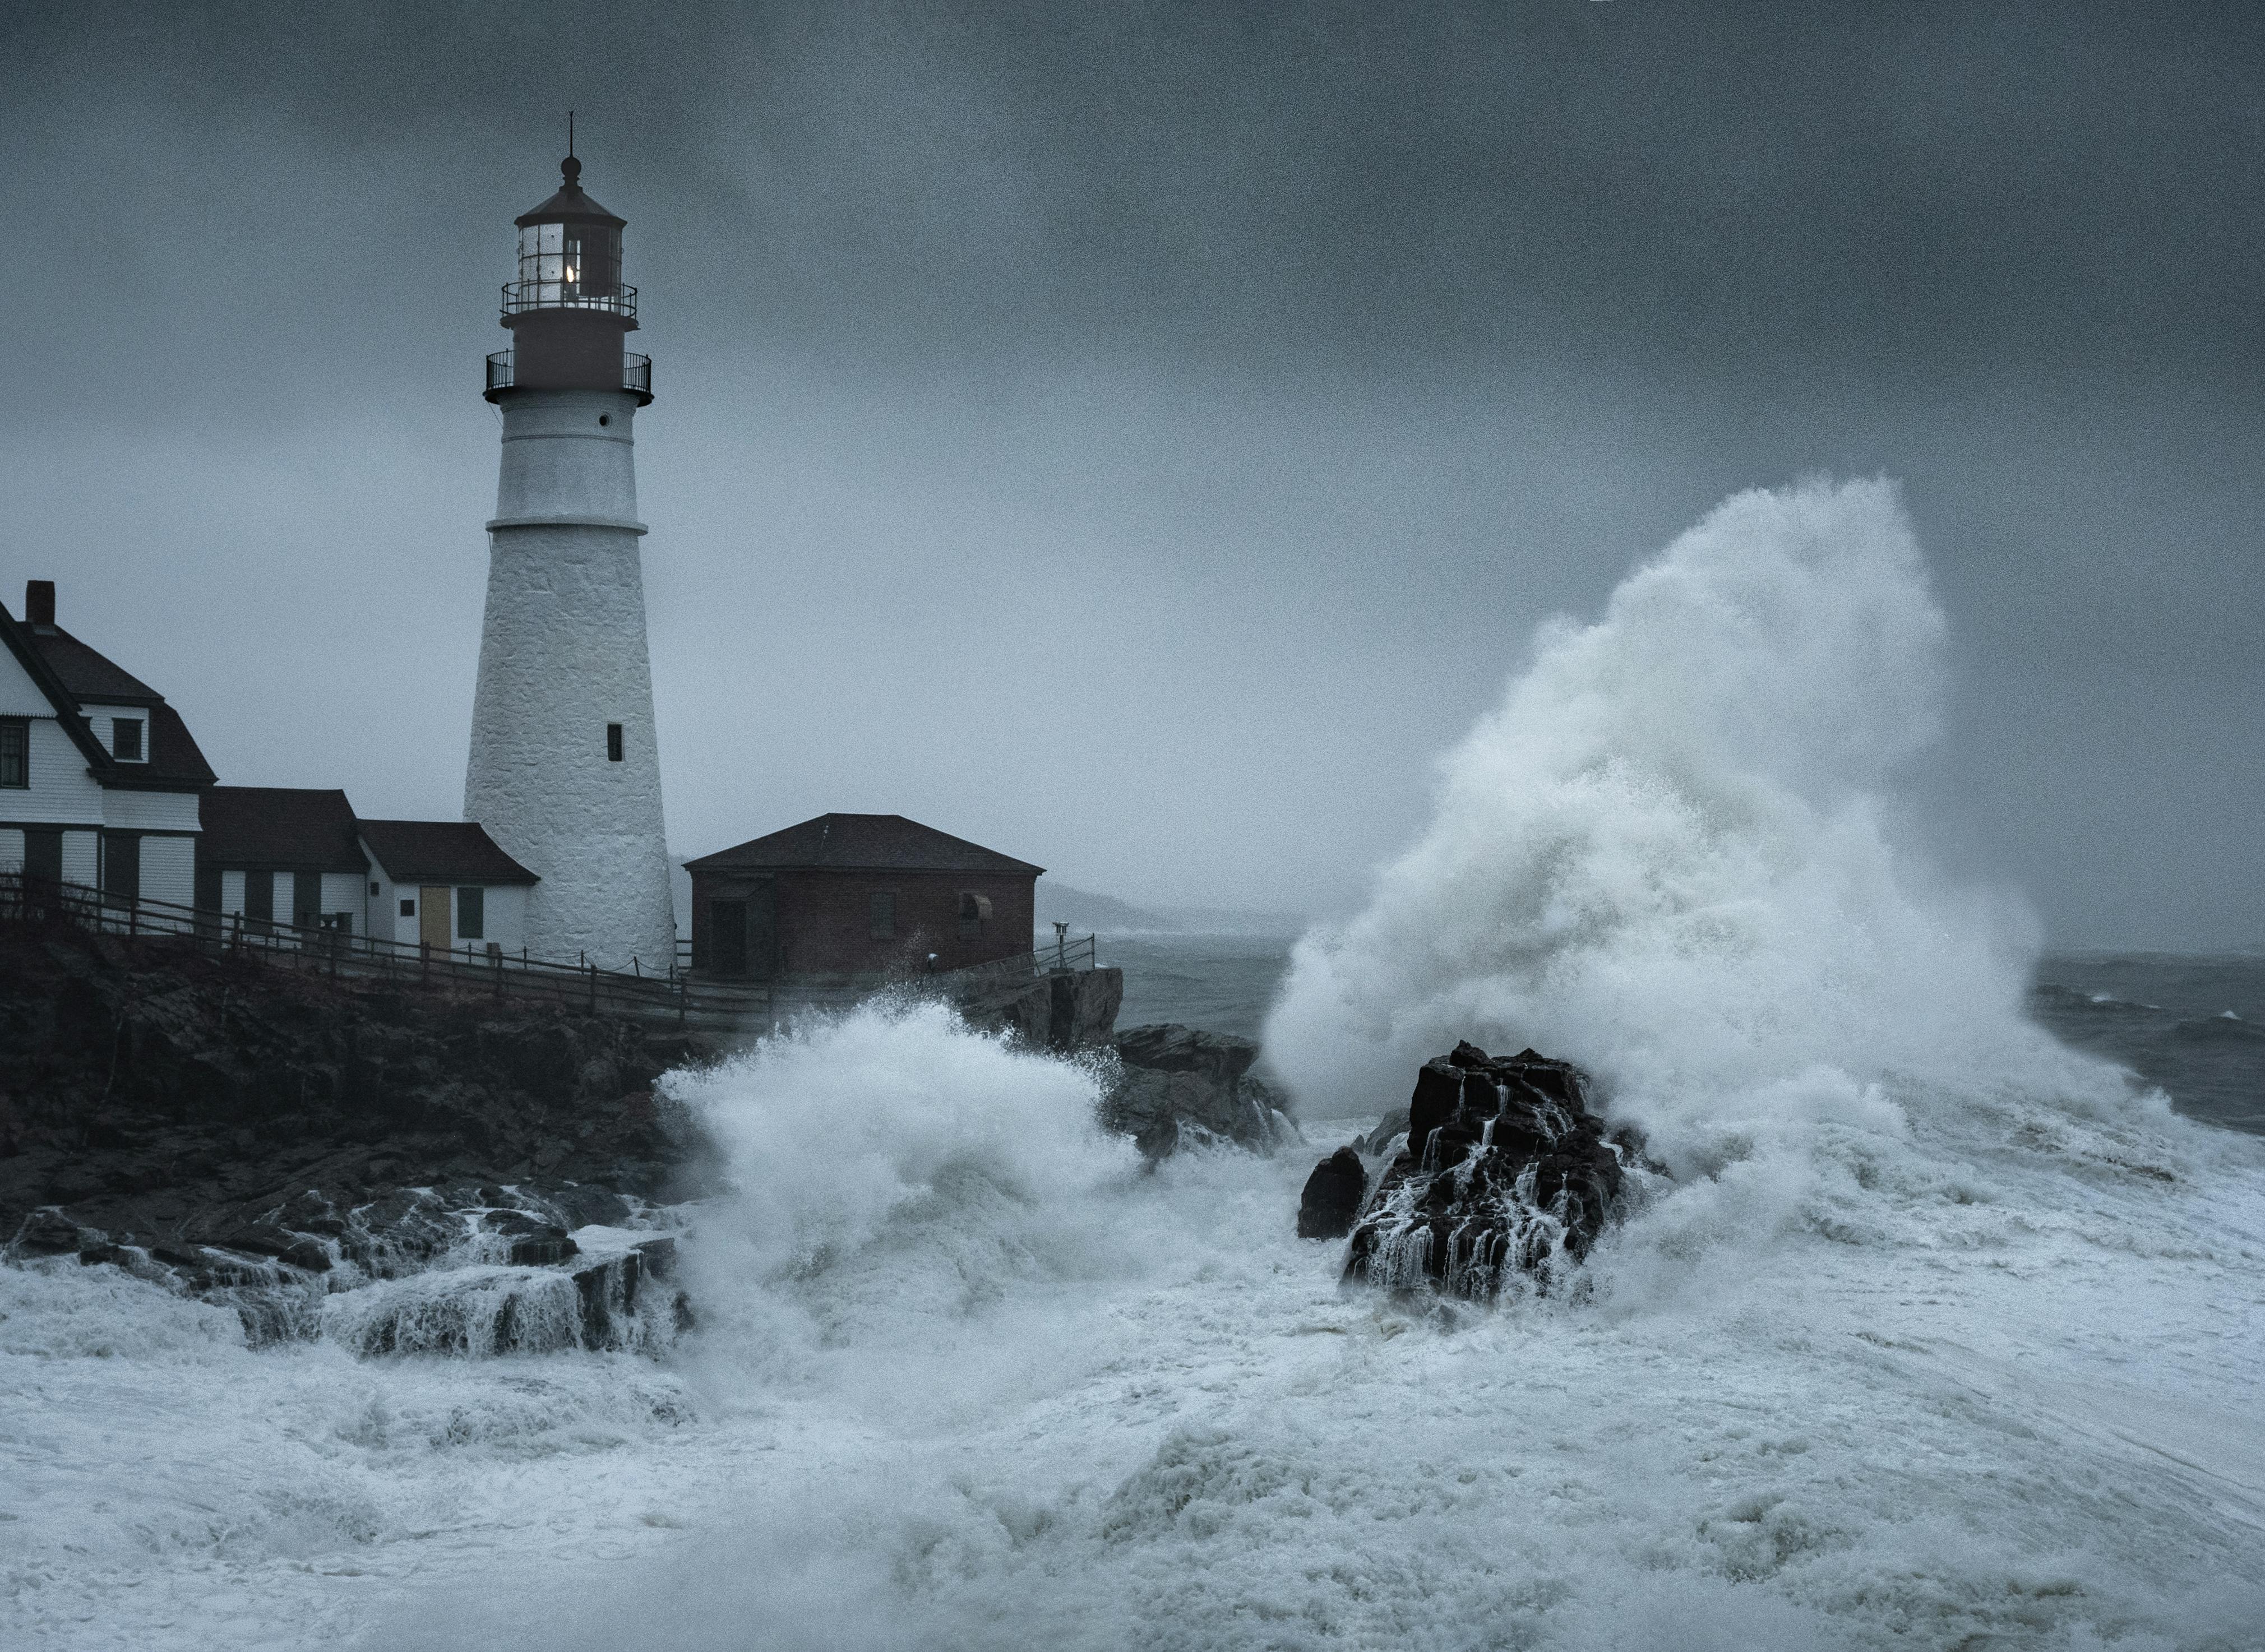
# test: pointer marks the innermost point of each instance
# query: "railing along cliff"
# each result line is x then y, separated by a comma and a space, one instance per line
664, 993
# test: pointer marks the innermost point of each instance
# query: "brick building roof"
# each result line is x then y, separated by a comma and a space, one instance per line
862, 842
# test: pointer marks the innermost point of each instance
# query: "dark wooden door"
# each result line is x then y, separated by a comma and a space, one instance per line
762, 930
727, 938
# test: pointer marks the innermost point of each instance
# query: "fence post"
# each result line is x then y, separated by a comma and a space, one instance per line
424, 959
593, 988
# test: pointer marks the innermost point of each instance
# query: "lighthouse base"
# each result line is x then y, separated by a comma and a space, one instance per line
565, 770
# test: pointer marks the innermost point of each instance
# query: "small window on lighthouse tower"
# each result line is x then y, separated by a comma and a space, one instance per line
613, 742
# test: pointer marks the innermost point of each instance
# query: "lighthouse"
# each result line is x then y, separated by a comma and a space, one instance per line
565, 770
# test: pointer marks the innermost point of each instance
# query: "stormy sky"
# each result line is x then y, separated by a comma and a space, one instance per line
1139, 437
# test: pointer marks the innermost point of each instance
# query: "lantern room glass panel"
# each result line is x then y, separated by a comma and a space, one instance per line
571, 265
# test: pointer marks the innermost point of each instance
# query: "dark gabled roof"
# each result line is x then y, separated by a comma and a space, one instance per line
175, 762
24, 645
71, 674
87, 673
441, 852
286, 827
863, 842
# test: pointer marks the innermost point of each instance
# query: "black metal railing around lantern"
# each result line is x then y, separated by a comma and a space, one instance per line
519, 297
636, 374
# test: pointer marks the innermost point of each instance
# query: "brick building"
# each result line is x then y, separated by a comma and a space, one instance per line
857, 895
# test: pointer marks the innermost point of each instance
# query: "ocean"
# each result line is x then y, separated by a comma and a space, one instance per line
1939, 1323
2192, 1024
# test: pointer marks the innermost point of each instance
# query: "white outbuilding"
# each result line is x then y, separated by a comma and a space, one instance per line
444, 884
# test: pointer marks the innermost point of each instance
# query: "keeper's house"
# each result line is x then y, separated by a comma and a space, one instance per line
857, 895
99, 779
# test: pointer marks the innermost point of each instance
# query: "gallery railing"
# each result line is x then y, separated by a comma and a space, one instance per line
637, 373
519, 297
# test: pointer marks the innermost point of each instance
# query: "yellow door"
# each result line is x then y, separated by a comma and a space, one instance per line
433, 916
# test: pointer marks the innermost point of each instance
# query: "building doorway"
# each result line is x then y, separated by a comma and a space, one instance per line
727, 938
433, 916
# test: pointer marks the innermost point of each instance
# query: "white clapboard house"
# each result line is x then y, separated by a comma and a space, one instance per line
100, 778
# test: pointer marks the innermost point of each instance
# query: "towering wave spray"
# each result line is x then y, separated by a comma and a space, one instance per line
1666, 856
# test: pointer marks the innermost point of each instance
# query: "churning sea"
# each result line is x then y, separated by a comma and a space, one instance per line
1944, 1327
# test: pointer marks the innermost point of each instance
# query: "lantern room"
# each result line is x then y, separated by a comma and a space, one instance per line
569, 254
569, 309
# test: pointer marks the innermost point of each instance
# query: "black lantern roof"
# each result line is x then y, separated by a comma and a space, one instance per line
569, 205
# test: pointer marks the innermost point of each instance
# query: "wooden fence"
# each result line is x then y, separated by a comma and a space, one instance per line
676, 995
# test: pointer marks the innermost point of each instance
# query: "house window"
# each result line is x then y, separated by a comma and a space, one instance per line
974, 913
883, 913
374, 889
125, 740
613, 742
472, 913
409, 909
14, 751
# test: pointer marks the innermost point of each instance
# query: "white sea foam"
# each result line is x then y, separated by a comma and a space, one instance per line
1941, 1336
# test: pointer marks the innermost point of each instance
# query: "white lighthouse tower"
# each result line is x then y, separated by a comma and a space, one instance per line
565, 771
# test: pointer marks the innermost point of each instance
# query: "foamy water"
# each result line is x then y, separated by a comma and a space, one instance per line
1942, 1336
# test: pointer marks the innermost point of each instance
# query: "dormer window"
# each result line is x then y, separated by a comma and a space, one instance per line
125, 740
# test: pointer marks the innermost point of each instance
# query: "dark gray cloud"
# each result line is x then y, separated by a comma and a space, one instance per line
1150, 430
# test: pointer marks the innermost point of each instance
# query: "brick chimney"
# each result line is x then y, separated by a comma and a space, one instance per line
39, 602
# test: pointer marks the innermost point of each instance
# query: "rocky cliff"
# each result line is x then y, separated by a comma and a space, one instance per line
155, 1095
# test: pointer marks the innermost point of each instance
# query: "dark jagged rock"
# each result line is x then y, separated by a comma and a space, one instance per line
1177, 1084
1064, 1009
1507, 1175
1332, 1196
1394, 1122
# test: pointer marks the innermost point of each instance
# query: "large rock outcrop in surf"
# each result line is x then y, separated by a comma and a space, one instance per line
1178, 1084
1332, 1201
1506, 1175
